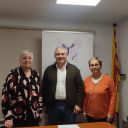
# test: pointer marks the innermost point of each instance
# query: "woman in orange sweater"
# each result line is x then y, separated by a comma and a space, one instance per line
100, 94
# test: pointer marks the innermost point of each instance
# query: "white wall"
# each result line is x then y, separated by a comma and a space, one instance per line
123, 52
12, 41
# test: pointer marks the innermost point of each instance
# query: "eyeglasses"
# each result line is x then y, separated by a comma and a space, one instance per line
92, 65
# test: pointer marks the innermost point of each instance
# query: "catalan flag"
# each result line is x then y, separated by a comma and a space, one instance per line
115, 63
115, 70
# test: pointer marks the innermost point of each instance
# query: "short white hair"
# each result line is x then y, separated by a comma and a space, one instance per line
66, 50
24, 52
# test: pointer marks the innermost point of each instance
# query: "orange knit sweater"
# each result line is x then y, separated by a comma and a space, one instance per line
100, 98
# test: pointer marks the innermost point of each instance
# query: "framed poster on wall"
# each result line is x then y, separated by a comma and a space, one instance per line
79, 45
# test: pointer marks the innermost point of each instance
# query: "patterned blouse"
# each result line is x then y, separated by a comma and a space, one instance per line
20, 95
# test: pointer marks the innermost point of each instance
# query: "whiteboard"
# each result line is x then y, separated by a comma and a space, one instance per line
79, 44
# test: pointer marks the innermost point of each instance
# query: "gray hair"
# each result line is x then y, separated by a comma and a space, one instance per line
60, 48
96, 58
24, 52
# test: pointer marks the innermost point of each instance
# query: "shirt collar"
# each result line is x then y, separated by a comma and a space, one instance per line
64, 66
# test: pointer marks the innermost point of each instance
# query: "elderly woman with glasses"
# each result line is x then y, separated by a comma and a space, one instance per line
100, 94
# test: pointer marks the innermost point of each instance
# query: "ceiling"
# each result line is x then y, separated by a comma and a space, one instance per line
46, 11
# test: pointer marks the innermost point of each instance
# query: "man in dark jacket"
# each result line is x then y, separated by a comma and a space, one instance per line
62, 89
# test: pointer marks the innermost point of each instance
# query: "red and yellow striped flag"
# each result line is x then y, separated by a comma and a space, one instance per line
115, 63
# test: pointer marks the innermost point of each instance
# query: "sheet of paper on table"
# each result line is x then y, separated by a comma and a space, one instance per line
68, 126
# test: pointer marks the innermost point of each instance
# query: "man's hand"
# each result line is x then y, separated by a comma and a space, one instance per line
84, 114
77, 109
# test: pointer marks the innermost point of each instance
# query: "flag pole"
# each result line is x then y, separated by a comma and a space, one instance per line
115, 70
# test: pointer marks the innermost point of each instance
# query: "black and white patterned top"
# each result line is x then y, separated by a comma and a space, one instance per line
21, 95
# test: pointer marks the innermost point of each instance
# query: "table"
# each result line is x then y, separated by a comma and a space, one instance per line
82, 125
